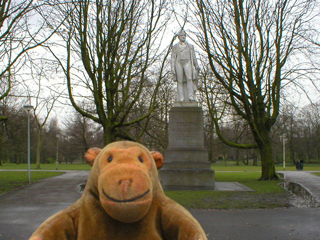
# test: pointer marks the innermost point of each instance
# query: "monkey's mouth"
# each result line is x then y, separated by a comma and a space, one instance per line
126, 200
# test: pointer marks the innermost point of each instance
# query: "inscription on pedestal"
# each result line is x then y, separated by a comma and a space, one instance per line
185, 128
185, 133
186, 124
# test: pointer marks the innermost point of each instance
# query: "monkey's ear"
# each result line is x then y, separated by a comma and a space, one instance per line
158, 158
91, 155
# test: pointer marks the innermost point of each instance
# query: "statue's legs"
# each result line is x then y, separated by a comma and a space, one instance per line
180, 82
180, 91
185, 84
190, 90
187, 67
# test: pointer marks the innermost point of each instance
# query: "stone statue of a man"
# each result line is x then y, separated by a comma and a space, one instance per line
185, 68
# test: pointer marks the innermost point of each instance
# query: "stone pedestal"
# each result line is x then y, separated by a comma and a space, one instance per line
186, 159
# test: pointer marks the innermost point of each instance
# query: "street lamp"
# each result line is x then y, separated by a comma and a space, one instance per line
28, 108
284, 150
57, 154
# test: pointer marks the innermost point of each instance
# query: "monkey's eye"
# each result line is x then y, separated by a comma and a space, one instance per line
140, 159
110, 159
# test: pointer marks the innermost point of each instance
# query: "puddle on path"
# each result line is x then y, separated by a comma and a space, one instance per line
302, 197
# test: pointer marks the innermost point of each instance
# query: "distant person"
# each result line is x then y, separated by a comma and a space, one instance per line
185, 68
299, 165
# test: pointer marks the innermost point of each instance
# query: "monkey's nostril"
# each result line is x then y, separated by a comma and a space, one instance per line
125, 181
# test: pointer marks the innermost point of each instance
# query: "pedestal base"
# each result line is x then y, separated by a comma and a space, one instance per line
186, 159
187, 179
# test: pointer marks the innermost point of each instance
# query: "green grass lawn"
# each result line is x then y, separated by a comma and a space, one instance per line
11, 180
266, 195
318, 174
50, 166
279, 167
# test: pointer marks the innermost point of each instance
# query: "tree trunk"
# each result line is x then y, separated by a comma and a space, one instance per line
255, 161
254, 158
109, 135
267, 164
247, 157
211, 158
237, 156
17, 159
39, 147
1, 144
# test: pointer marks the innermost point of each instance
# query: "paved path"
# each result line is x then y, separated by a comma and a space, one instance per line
307, 180
21, 212
261, 224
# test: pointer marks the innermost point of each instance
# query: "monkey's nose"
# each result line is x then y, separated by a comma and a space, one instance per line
125, 181
125, 185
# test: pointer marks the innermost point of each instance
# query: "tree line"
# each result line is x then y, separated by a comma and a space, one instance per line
296, 132
67, 142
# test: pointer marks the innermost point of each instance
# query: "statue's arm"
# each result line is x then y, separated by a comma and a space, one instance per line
178, 224
194, 59
173, 59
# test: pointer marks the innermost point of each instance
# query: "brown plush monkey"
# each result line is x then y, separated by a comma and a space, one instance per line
123, 200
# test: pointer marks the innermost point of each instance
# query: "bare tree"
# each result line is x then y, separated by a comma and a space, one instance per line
248, 44
51, 143
20, 31
36, 84
110, 47
81, 134
153, 131
14, 131
309, 119
42, 110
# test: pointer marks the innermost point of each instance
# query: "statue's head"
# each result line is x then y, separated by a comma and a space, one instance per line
182, 36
